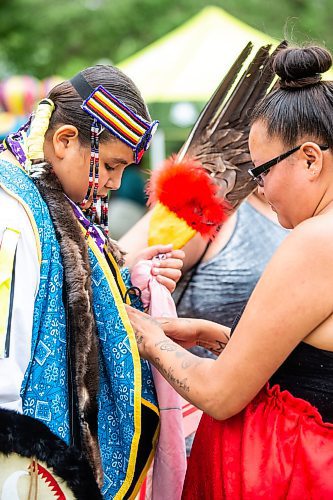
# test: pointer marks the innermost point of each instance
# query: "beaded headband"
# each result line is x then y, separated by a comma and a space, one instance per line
115, 116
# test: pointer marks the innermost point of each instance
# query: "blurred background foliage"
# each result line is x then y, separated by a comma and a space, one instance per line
42, 40
47, 37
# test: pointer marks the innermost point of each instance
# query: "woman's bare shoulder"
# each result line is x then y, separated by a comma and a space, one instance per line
313, 233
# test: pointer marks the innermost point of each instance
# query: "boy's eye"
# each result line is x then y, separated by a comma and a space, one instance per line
108, 167
266, 172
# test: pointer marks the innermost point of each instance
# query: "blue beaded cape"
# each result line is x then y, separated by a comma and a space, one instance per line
126, 401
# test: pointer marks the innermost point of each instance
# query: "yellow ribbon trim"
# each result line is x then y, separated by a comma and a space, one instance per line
151, 406
165, 227
7, 257
136, 360
151, 455
120, 280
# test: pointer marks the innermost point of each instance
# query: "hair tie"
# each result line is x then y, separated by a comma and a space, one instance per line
39, 126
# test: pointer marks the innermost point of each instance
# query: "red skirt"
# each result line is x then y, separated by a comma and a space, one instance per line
277, 448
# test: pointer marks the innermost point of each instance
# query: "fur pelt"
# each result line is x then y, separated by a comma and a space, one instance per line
30, 438
77, 274
116, 251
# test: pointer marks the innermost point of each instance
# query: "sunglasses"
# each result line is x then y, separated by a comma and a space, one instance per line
257, 172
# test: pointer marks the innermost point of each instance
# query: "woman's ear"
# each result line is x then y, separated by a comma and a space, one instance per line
313, 157
64, 138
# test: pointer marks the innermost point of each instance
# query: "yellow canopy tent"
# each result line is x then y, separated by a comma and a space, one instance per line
179, 72
188, 63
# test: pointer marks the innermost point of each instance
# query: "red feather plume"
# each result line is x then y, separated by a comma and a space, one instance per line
187, 190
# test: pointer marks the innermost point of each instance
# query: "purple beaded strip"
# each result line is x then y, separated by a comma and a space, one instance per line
86, 223
14, 143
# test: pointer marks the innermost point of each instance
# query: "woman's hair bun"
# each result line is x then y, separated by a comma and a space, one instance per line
300, 67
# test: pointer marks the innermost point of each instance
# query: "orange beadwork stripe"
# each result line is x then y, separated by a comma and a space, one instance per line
97, 108
112, 108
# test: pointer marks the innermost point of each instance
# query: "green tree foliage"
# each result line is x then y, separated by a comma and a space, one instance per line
47, 37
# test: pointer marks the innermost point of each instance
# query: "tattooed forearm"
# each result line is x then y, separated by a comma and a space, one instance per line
167, 345
218, 347
186, 363
215, 346
139, 338
168, 373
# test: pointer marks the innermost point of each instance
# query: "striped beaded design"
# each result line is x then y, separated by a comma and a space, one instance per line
120, 120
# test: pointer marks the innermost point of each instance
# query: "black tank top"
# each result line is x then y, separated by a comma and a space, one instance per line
307, 373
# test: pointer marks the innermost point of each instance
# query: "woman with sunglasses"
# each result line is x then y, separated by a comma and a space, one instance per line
268, 399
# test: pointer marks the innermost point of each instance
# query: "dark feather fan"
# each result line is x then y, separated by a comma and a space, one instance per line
219, 138
218, 145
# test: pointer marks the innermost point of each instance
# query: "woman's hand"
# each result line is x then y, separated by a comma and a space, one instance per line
167, 267
183, 331
147, 331
188, 332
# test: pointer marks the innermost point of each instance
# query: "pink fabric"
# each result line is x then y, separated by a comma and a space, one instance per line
167, 477
191, 417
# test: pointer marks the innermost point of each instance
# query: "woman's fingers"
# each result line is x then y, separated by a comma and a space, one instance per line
169, 283
181, 330
168, 272
151, 252
178, 254
142, 321
135, 314
137, 318
171, 262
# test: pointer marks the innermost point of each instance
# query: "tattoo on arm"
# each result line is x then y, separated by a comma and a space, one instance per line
138, 336
168, 373
219, 346
216, 346
167, 345
188, 360
186, 363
